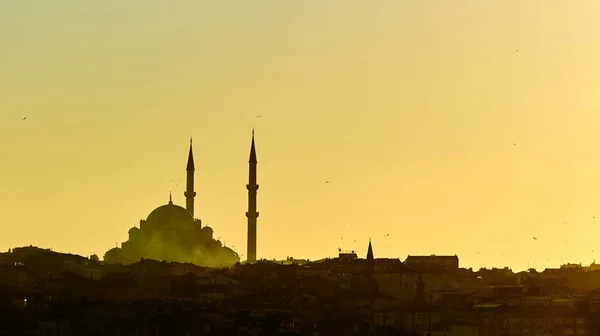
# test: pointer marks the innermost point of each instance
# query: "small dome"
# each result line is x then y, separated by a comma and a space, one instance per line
230, 251
133, 230
169, 213
207, 229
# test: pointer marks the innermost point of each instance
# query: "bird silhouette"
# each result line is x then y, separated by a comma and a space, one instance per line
534, 238
24, 118
326, 181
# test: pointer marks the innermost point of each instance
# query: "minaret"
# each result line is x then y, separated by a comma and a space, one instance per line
370, 270
370, 257
252, 214
190, 193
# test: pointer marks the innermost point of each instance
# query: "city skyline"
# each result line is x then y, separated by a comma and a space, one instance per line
462, 129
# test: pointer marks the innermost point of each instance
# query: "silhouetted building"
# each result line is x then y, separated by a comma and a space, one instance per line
446, 262
420, 298
172, 233
252, 214
347, 255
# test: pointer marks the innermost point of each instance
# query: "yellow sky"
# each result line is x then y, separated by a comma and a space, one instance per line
409, 108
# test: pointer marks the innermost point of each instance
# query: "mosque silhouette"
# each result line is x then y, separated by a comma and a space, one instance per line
171, 233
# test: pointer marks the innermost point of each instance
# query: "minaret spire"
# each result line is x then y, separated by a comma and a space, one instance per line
252, 214
190, 162
370, 257
189, 192
252, 151
170, 198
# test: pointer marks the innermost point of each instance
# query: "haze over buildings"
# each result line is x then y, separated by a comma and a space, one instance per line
423, 117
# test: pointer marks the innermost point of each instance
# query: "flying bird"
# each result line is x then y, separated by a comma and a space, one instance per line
24, 118
326, 181
534, 238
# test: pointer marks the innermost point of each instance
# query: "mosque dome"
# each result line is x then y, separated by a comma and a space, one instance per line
230, 251
169, 213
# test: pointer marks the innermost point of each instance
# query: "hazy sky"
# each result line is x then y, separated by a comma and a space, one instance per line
429, 124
